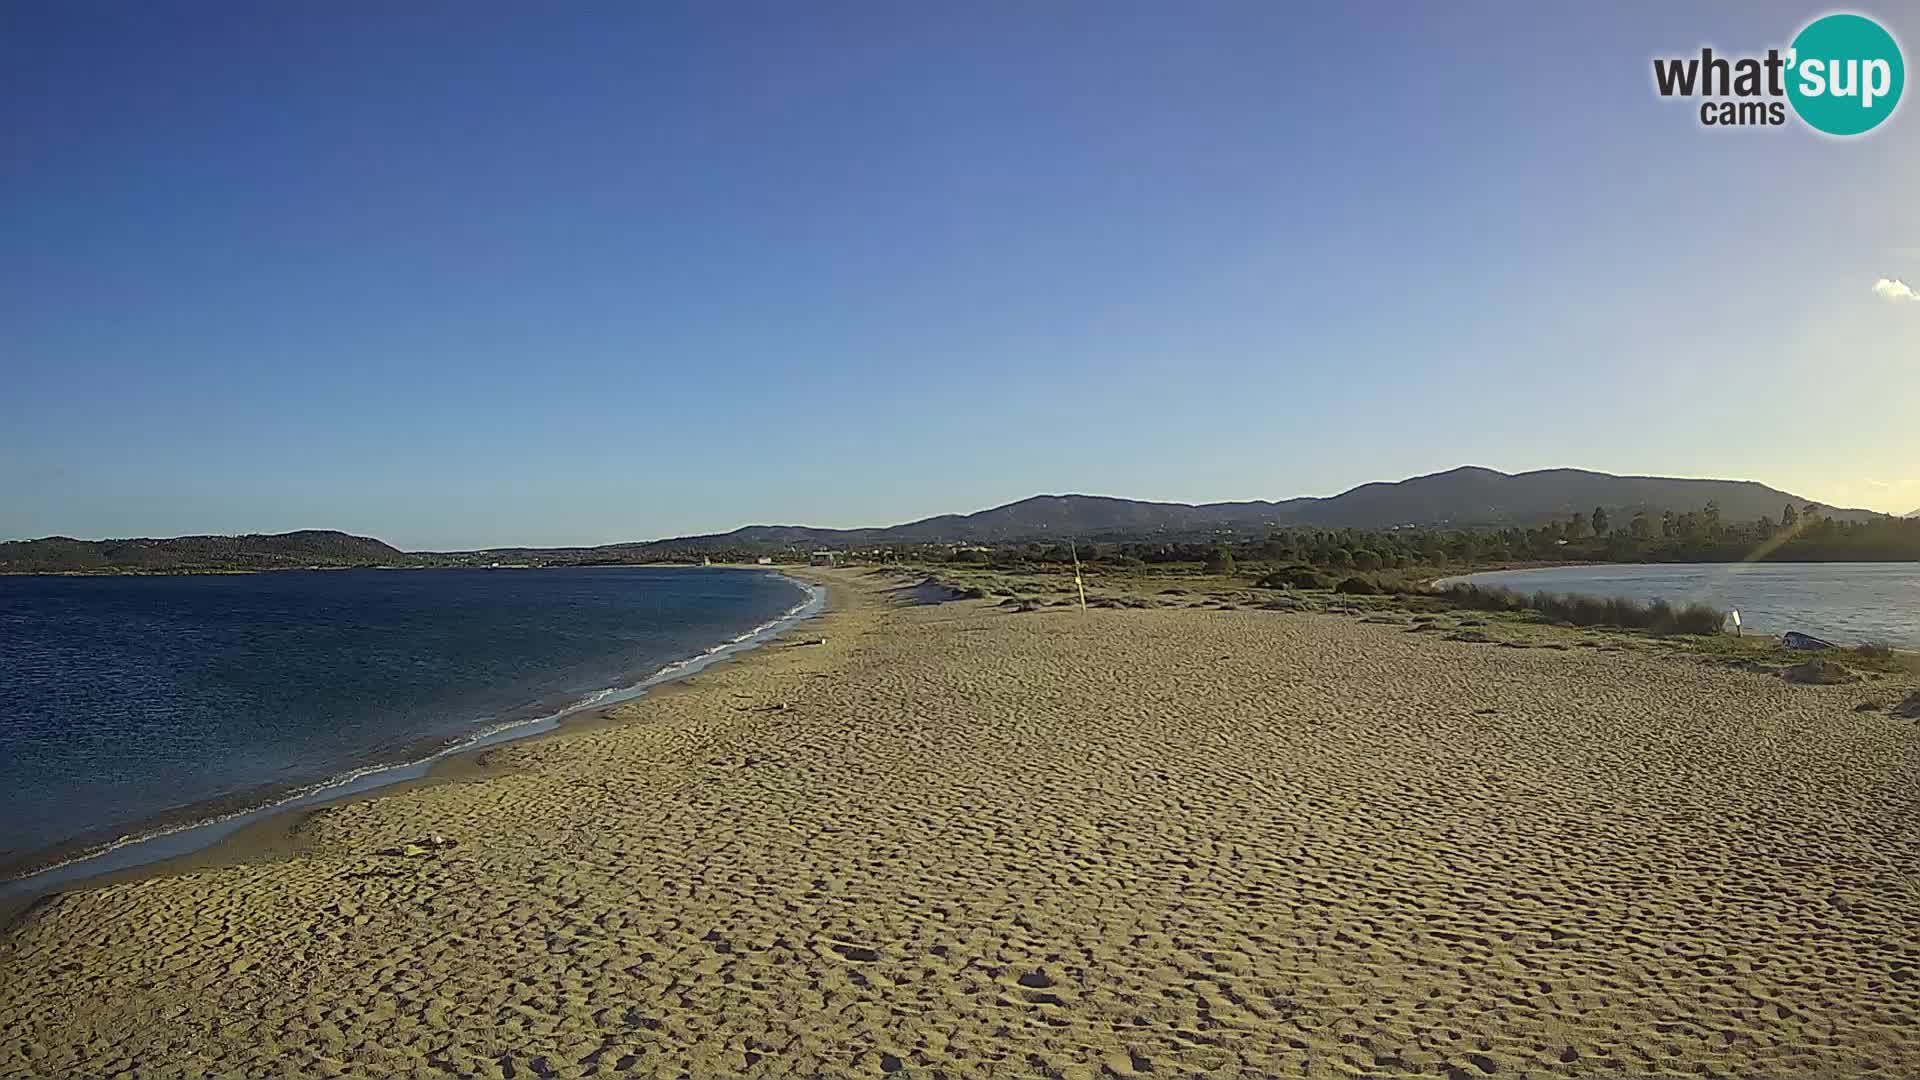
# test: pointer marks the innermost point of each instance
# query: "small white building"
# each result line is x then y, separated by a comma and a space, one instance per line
765, 560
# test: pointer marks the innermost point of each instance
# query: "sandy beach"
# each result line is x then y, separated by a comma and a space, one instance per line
953, 840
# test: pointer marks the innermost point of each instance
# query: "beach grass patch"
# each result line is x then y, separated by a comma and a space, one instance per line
1819, 672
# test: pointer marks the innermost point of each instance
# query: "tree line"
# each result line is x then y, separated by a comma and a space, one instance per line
1799, 534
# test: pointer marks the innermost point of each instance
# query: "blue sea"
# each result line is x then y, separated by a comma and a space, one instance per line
135, 705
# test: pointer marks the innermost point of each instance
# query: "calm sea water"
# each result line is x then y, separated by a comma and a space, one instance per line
1847, 603
127, 702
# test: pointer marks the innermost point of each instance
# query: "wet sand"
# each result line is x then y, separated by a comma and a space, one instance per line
953, 840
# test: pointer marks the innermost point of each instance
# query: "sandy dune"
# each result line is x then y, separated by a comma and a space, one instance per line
957, 841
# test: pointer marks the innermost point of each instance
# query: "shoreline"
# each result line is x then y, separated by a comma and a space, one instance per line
955, 837
163, 843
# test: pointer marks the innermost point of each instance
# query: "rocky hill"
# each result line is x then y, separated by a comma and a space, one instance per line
183, 554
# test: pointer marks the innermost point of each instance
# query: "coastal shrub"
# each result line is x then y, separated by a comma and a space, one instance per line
1400, 584
1221, 561
1658, 616
1700, 619
1491, 598
1297, 576
1357, 586
1874, 650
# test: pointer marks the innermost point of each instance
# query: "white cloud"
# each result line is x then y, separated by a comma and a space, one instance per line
1895, 290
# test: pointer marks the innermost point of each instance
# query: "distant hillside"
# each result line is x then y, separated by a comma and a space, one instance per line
312, 547
1470, 496
1466, 497
1462, 498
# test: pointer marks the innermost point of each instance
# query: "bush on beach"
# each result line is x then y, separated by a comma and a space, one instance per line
1658, 616
1297, 576
1220, 562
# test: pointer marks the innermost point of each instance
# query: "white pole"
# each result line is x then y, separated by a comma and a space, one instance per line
1077, 583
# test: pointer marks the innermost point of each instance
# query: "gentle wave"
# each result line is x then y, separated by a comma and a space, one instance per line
386, 773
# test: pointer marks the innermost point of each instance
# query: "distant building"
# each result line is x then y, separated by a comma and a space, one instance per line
765, 560
824, 558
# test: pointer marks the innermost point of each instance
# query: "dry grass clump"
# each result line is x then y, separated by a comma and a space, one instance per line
1658, 616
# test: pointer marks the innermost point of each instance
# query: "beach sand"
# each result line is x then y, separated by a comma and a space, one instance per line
953, 840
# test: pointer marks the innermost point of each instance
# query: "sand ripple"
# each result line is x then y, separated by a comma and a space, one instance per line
955, 841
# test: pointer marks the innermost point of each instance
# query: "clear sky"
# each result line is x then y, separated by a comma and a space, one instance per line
577, 273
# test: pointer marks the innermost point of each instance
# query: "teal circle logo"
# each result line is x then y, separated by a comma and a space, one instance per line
1845, 74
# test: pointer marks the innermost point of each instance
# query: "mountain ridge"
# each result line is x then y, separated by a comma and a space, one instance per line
1468, 496
249, 551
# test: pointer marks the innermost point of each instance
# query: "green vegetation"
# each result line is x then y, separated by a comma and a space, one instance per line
1401, 560
198, 554
1296, 576
1219, 561
1656, 615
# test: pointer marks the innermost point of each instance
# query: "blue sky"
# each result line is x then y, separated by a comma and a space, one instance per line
579, 273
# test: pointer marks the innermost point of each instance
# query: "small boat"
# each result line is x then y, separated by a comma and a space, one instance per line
1793, 639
